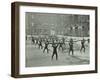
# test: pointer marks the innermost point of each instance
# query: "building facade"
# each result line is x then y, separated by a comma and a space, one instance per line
57, 24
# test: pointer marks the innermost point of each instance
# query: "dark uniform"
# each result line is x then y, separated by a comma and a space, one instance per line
46, 47
40, 44
61, 46
55, 50
88, 40
33, 40
71, 46
82, 45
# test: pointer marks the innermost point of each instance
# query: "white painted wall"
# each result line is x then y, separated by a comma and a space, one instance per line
5, 40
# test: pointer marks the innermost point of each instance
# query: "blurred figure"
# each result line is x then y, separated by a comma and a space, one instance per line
33, 40
82, 45
88, 40
55, 50
26, 37
40, 44
63, 40
71, 46
61, 46
46, 47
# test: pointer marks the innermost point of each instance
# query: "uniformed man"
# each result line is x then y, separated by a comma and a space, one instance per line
71, 46
82, 45
40, 44
54, 45
46, 47
61, 46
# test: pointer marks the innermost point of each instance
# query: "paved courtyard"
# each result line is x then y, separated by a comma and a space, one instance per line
36, 58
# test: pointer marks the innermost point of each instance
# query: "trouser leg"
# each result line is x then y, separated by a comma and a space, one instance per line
56, 56
81, 49
69, 51
84, 49
47, 50
44, 50
41, 46
72, 52
52, 55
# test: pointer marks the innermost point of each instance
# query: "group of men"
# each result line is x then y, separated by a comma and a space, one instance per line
44, 43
